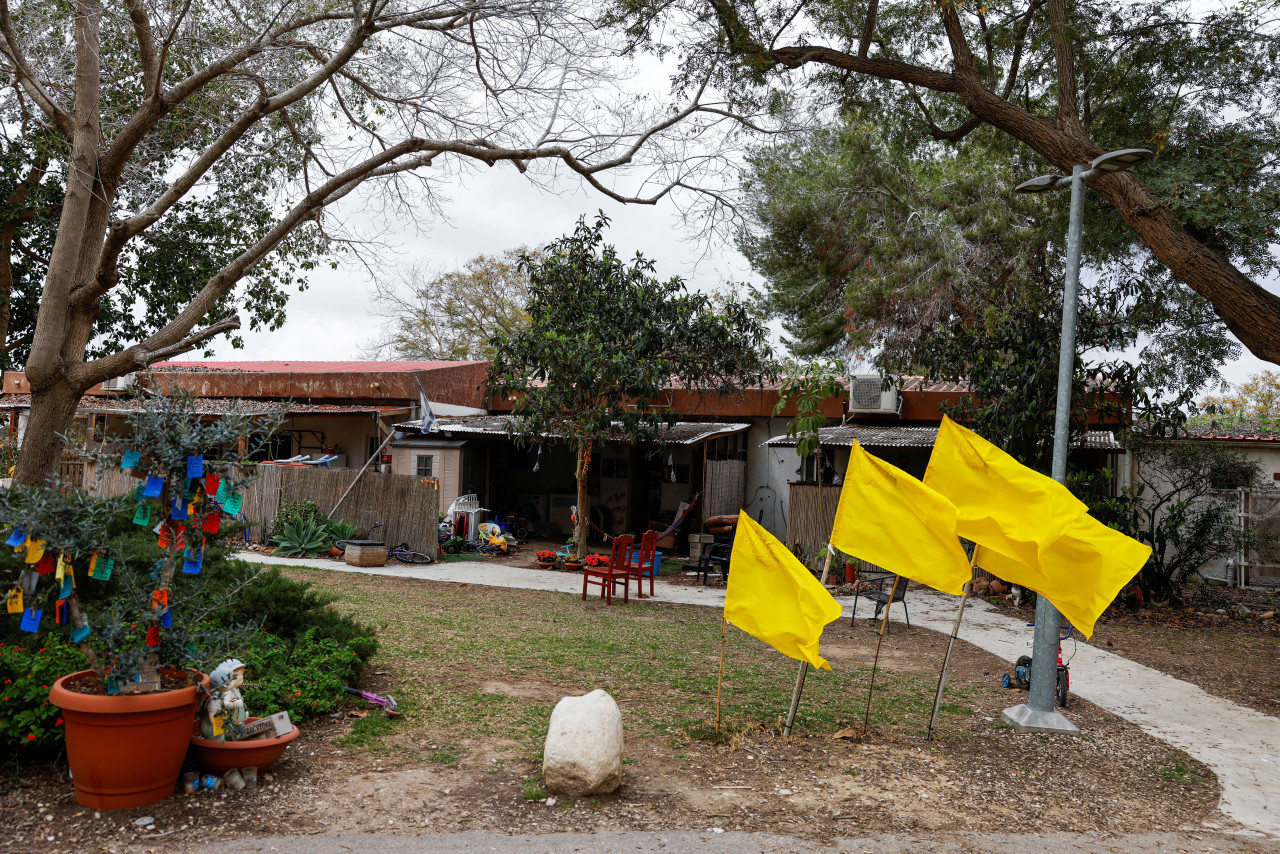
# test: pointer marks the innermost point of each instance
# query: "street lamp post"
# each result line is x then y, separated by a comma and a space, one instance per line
1038, 714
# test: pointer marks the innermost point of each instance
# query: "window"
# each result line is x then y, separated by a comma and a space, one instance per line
424, 465
808, 471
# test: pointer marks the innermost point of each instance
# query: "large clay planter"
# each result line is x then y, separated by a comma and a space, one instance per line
219, 757
124, 750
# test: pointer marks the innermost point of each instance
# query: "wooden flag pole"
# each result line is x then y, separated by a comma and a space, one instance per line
804, 665
884, 626
946, 659
720, 678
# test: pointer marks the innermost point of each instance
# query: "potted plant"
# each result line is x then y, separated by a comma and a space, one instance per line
128, 717
546, 558
595, 560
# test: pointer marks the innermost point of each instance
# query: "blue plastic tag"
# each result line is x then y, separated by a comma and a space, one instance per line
195, 466
17, 538
31, 620
191, 562
130, 458
177, 508
166, 619
155, 484
80, 633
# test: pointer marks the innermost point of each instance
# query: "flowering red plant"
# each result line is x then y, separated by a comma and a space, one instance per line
596, 560
546, 555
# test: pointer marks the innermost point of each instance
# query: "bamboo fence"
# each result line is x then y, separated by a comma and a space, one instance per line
810, 516
406, 507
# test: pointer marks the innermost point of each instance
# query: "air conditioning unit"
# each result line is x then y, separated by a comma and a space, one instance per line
866, 395
119, 383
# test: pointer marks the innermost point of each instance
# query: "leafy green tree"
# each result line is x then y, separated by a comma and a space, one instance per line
453, 315
1062, 83
1257, 399
1177, 509
605, 338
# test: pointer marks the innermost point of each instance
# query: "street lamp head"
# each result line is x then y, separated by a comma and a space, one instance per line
1042, 184
1118, 161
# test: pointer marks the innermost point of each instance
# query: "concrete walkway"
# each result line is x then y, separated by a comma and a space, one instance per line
1241, 745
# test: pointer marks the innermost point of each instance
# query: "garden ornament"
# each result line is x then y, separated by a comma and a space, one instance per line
225, 705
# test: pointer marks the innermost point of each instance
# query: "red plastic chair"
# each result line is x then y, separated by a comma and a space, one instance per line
643, 562
607, 578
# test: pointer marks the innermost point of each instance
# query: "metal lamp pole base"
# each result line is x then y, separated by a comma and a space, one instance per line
1026, 719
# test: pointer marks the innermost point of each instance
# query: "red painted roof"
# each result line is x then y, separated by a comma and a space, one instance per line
306, 367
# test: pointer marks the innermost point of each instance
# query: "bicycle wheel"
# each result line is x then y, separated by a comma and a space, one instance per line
1063, 682
413, 557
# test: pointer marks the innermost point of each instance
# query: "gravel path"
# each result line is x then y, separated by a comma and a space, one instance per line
1241, 745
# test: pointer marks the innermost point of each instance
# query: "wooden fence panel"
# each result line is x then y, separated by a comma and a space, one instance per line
406, 507
810, 515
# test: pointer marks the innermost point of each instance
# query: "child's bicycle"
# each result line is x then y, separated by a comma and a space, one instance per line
1021, 676
402, 552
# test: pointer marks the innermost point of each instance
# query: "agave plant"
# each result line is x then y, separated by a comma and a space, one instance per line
303, 538
336, 529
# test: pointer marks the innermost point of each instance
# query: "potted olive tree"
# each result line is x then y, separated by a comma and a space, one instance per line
129, 716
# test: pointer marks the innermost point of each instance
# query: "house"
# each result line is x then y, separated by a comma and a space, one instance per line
344, 409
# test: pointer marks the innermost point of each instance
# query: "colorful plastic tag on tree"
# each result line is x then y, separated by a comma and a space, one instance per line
60, 612
153, 635
80, 634
102, 568
60, 570
191, 562
46, 564
160, 600
212, 483
195, 466
232, 505
129, 459
138, 490
68, 586
31, 620
17, 538
211, 523
35, 551
142, 515
155, 485
113, 684
223, 492
166, 619
177, 509
29, 580
13, 602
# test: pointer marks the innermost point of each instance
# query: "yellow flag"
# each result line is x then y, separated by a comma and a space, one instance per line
1087, 567
1008, 569
1002, 504
772, 597
894, 521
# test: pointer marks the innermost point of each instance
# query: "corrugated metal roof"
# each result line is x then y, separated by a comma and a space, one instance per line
917, 437
205, 406
680, 433
1242, 430
304, 366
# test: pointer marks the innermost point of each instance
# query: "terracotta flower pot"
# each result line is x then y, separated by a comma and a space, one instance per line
219, 757
546, 564
124, 750
573, 565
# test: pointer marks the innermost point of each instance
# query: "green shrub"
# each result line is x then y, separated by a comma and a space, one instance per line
288, 608
304, 678
28, 721
292, 513
340, 530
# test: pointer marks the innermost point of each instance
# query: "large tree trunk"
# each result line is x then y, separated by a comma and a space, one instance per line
52, 409
580, 529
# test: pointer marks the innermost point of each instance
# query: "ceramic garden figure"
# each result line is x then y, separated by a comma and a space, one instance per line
225, 705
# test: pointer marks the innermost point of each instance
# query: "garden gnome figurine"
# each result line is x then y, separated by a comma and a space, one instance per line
225, 705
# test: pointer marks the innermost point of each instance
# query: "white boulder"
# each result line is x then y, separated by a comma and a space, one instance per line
583, 755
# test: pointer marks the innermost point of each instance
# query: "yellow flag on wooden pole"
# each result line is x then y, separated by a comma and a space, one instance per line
773, 597
890, 519
1001, 503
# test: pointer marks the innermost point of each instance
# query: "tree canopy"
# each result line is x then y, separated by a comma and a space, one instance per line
455, 314
176, 125
605, 339
1061, 83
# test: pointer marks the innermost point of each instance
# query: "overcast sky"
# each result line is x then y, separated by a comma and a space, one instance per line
491, 211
